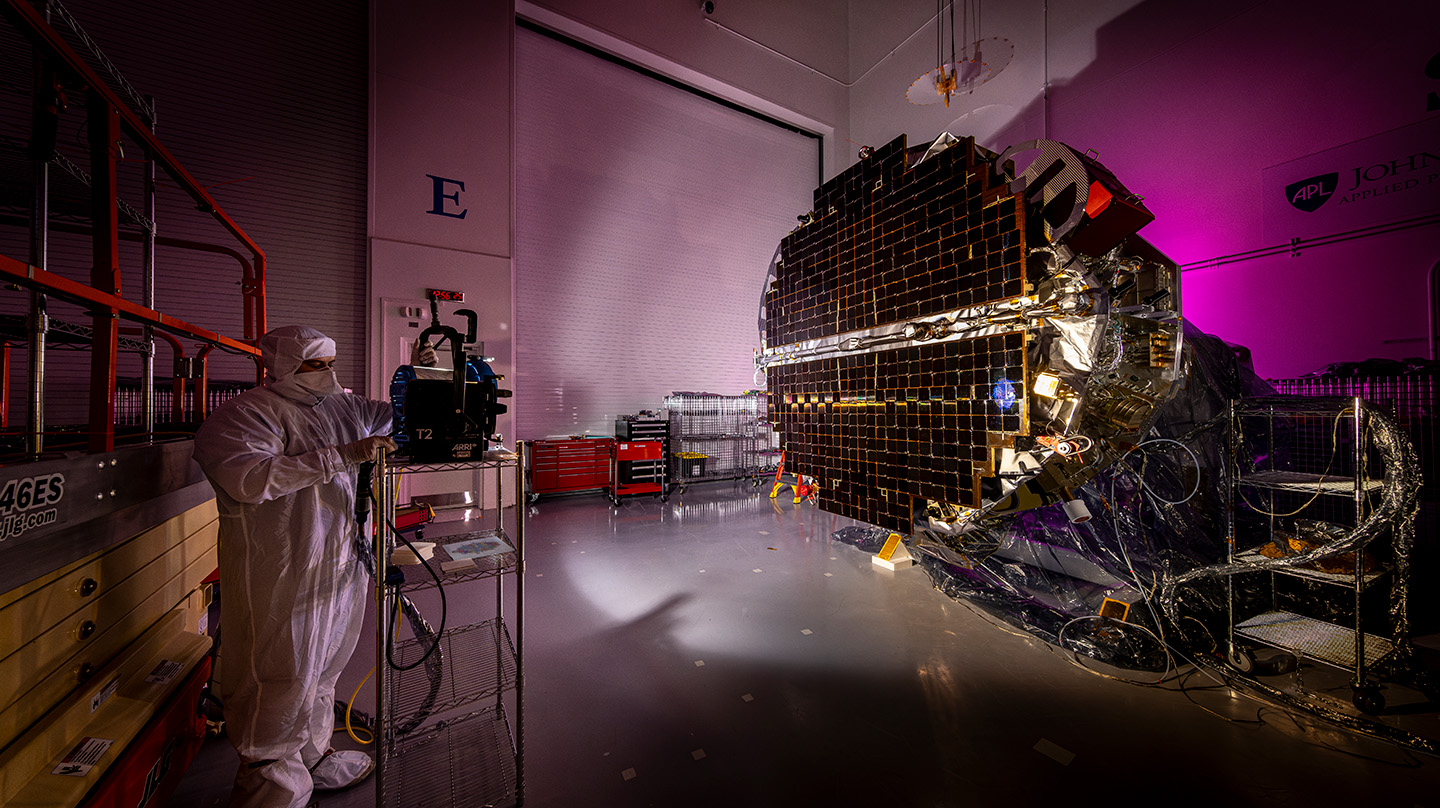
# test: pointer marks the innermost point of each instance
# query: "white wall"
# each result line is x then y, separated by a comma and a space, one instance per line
646, 217
440, 108
1188, 102
442, 91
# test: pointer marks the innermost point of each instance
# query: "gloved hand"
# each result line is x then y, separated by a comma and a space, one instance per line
424, 354
365, 449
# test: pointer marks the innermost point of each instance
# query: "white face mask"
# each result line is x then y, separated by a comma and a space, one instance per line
319, 382
309, 388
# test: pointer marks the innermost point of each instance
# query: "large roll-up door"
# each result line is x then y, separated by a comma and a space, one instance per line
645, 219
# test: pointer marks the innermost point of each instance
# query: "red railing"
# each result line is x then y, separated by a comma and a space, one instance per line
109, 119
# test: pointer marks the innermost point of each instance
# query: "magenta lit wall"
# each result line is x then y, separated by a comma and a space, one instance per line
1188, 103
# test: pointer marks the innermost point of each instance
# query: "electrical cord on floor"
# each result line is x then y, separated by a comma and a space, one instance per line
1267, 708
1270, 699
1171, 652
367, 721
1412, 761
1221, 679
1169, 660
350, 709
1186, 690
1135, 578
1062, 652
1179, 679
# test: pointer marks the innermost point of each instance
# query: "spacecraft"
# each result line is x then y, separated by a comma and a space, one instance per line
977, 351
954, 335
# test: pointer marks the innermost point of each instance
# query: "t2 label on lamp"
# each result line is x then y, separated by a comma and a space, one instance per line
30, 502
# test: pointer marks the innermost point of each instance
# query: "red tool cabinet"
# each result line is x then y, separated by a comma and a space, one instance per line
569, 464
639, 468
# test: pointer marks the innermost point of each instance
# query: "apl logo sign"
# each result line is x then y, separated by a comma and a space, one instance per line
1388, 177
1309, 194
1369, 182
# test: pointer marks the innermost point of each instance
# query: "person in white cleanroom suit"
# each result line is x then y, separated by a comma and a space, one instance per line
282, 459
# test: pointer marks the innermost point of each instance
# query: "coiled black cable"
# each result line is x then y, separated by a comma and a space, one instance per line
433, 658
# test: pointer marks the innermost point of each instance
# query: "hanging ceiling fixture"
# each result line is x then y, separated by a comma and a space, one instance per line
977, 62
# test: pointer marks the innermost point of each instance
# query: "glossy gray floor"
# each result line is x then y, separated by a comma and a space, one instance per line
719, 649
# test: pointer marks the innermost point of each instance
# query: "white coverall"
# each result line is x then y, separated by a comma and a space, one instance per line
293, 593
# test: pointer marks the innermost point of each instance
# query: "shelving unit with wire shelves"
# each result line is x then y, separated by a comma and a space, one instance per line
1302, 469
454, 527
716, 437
461, 762
429, 753
480, 662
491, 459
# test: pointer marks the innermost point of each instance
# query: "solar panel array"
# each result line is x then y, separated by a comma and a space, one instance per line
890, 244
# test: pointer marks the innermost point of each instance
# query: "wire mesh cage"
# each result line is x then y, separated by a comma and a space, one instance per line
716, 437
129, 401
1413, 398
1410, 391
707, 415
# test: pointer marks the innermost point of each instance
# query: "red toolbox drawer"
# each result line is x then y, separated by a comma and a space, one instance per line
574, 464
640, 450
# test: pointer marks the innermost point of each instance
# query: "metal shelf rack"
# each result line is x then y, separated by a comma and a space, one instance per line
1315, 639
1309, 458
431, 753
480, 662
465, 570
460, 762
715, 437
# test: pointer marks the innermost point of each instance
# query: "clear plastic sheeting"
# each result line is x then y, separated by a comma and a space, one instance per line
1157, 513
869, 539
1147, 583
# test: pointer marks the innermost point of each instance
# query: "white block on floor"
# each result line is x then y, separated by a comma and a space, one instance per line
894, 555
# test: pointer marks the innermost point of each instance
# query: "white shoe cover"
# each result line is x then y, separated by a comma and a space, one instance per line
341, 770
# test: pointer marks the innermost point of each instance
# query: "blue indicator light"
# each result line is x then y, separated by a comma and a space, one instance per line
1004, 394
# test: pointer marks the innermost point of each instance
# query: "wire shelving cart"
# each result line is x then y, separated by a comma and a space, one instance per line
451, 728
715, 437
1304, 469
